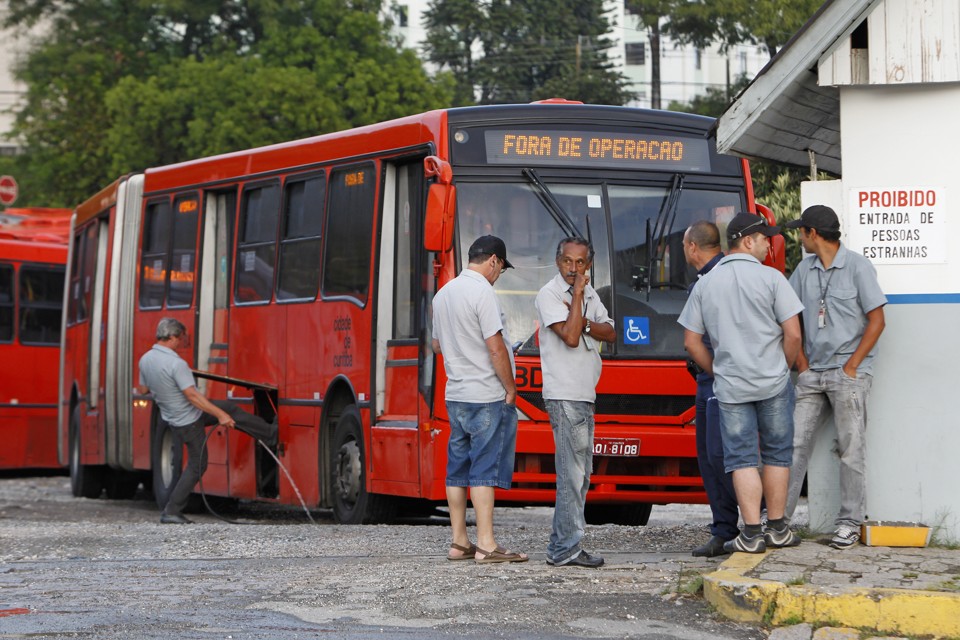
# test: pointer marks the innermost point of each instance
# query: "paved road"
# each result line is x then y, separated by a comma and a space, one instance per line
96, 568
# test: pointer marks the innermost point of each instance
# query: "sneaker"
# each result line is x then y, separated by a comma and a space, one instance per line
845, 537
712, 549
780, 538
745, 544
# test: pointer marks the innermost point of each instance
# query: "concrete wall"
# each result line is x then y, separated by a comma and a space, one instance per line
900, 138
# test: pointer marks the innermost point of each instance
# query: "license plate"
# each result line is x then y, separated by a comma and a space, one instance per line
612, 447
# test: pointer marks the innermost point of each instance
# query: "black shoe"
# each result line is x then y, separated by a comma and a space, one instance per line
746, 544
712, 549
583, 559
174, 518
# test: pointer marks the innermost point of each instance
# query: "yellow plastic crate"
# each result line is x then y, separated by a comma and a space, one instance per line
877, 533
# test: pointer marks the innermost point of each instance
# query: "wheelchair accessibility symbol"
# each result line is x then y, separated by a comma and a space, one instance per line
636, 330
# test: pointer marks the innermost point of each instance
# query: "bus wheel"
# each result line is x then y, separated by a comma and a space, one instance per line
352, 504
631, 515
166, 461
86, 481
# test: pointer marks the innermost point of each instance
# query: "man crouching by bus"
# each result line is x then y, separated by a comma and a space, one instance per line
481, 396
188, 412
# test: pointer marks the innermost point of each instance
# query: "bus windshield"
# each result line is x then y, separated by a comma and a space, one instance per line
639, 268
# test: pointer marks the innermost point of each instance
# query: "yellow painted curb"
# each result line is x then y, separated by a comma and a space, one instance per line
900, 611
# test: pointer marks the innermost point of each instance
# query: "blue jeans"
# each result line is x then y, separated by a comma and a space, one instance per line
770, 421
483, 440
716, 482
572, 424
818, 393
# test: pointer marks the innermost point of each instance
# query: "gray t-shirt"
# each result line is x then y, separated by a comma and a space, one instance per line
167, 375
849, 290
568, 374
740, 304
465, 313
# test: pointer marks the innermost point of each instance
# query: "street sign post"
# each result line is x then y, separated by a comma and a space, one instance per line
8, 190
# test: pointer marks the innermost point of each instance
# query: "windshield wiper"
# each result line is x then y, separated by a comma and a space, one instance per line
665, 218
556, 210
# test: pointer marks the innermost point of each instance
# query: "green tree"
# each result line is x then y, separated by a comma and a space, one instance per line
107, 86
730, 22
509, 52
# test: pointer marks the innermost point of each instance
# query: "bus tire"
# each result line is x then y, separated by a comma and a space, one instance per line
352, 503
631, 515
86, 480
166, 463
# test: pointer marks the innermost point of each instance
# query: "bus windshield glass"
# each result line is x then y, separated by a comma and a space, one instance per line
639, 269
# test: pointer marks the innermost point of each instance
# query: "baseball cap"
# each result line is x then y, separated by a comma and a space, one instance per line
745, 224
490, 246
819, 217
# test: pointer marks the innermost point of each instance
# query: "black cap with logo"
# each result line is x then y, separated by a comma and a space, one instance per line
747, 224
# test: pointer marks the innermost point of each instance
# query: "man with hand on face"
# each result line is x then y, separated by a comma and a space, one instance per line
572, 322
751, 314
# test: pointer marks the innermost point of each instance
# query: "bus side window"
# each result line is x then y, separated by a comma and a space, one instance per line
155, 256
6, 303
346, 264
184, 251
299, 270
257, 244
41, 297
88, 270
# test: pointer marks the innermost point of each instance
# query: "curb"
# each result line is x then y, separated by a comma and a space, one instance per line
905, 612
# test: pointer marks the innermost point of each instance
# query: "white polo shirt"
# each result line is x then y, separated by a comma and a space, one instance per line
465, 313
568, 374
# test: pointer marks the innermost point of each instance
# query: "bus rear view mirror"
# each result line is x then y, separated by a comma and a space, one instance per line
438, 226
777, 258
441, 203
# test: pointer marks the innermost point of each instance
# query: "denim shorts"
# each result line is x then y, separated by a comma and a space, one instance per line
768, 421
483, 439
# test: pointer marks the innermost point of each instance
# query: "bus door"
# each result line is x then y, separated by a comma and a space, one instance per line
395, 440
97, 281
213, 320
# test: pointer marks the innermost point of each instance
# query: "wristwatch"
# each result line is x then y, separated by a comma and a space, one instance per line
586, 329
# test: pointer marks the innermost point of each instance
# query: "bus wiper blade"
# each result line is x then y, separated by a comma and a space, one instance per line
556, 211
665, 219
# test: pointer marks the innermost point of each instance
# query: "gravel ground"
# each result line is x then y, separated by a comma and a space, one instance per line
108, 568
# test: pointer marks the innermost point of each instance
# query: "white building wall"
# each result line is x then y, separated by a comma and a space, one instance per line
893, 138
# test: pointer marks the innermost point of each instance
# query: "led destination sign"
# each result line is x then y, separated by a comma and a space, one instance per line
597, 148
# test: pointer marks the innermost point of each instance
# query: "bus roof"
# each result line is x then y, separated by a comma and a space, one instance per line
32, 250
403, 132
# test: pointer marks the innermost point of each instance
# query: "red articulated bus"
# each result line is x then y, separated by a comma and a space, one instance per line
32, 258
309, 268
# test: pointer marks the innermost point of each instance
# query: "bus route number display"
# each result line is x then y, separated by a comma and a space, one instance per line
597, 148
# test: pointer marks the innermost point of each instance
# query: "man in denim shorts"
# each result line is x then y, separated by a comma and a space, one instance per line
572, 322
751, 315
481, 393
842, 321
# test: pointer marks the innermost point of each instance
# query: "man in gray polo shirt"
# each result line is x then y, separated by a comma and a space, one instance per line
751, 315
481, 395
572, 322
842, 321
168, 377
